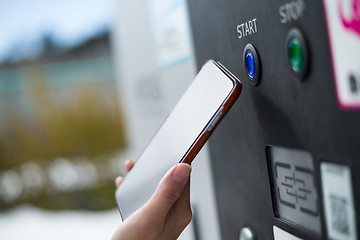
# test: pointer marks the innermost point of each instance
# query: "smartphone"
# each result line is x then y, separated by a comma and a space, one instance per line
182, 135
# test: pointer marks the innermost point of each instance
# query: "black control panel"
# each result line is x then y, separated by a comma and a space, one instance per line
287, 156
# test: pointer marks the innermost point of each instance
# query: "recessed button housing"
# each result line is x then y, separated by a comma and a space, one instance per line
297, 53
252, 64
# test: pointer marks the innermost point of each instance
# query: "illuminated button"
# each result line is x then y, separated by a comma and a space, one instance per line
252, 64
297, 52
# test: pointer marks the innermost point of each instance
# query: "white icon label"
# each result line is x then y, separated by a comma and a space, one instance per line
247, 28
343, 23
291, 11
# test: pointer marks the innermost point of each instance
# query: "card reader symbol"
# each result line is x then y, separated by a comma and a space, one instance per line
295, 188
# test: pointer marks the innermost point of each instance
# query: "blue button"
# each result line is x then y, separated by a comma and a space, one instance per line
250, 64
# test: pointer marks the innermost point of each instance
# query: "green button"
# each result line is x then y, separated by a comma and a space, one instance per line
296, 54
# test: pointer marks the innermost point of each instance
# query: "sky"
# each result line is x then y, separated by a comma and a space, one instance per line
24, 22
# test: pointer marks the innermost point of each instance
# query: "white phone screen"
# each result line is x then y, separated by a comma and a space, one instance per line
182, 127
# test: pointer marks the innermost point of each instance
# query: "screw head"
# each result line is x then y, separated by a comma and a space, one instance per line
246, 234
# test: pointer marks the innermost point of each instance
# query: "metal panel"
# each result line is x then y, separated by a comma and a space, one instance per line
282, 110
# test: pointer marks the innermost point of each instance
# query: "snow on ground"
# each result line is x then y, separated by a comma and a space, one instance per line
30, 223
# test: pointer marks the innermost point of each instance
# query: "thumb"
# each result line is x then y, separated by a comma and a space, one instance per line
169, 190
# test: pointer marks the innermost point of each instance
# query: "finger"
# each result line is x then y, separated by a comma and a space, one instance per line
169, 190
118, 181
182, 206
180, 215
128, 165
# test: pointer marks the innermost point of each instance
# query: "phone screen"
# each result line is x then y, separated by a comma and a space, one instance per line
184, 124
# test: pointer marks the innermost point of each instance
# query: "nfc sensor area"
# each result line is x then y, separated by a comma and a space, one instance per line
294, 191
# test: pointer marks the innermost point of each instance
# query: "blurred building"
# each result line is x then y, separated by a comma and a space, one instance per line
60, 127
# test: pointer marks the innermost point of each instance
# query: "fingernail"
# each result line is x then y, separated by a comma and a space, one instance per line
118, 181
181, 173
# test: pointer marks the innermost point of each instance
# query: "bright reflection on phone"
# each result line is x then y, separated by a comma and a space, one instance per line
181, 136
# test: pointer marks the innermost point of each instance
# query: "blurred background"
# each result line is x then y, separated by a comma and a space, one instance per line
61, 125
84, 85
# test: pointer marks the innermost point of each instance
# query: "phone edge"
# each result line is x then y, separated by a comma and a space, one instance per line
224, 108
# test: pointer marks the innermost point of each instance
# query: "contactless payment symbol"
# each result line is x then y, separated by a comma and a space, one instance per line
295, 195
295, 188
343, 23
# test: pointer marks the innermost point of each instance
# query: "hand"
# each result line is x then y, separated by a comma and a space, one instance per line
167, 212
128, 165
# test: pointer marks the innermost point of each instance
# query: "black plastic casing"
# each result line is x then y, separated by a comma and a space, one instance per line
283, 110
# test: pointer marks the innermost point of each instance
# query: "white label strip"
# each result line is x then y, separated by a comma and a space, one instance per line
280, 234
344, 35
338, 201
171, 31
